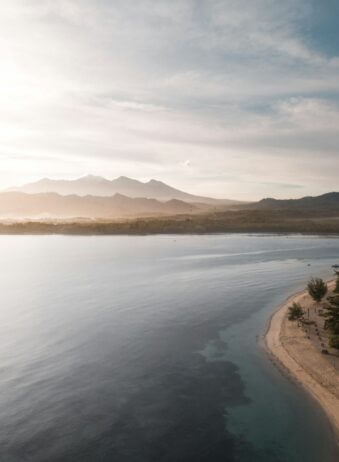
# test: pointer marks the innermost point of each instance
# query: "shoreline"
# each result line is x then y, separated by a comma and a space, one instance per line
231, 221
104, 233
295, 355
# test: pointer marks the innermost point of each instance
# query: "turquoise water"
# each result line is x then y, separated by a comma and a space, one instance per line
146, 349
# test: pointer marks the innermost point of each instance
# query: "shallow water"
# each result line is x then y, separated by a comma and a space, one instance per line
146, 349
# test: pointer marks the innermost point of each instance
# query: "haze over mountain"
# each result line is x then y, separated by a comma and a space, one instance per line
99, 186
44, 205
17, 204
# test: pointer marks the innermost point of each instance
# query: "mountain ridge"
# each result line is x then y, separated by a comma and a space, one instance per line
329, 200
100, 186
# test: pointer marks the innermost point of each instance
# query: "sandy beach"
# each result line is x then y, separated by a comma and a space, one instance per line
298, 352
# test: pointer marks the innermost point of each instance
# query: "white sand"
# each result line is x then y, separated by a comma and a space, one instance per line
302, 357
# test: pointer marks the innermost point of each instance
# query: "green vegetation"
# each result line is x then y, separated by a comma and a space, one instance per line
317, 289
336, 290
334, 341
332, 320
332, 315
295, 312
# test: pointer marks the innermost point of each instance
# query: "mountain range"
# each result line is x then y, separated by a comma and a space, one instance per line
96, 197
99, 186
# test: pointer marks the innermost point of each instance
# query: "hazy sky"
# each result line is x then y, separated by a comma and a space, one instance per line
228, 98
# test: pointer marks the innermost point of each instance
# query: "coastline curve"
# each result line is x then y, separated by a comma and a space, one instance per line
296, 355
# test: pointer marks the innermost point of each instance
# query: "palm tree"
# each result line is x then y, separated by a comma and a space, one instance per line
317, 289
295, 312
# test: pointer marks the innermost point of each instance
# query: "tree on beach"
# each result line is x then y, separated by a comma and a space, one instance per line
334, 341
295, 312
317, 289
336, 290
332, 315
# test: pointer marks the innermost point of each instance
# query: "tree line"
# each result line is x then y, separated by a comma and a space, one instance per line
317, 289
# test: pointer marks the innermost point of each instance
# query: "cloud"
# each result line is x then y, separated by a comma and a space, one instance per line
241, 89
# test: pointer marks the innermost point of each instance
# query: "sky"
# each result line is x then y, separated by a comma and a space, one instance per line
233, 98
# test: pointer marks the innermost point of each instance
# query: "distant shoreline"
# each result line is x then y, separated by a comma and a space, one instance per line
167, 233
89, 233
295, 354
235, 222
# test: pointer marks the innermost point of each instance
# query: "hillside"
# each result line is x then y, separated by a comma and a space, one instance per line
325, 201
19, 204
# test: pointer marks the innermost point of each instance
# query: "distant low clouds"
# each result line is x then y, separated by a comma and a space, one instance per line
234, 99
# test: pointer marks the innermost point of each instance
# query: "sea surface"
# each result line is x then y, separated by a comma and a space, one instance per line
146, 349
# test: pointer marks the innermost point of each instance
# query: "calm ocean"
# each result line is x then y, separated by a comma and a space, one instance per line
145, 349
